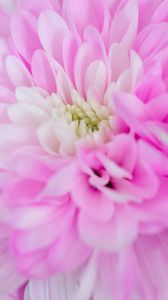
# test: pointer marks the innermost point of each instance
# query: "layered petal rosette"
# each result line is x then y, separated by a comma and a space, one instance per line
83, 149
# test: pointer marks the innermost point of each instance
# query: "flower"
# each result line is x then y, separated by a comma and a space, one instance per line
83, 147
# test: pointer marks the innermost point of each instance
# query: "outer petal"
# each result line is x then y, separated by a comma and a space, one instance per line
43, 72
24, 25
110, 236
124, 25
75, 285
17, 72
34, 7
52, 31
92, 14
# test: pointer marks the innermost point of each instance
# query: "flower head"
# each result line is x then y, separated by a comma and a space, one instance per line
83, 146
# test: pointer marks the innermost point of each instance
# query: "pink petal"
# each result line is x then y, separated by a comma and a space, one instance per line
119, 60
91, 201
132, 110
24, 25
95, 78
64, 87
150, 87
59, 256
32, 7
161, 13
30, 217
154, 157
155, 39
86, 54
52, 31
61, 183
151, 256
124, 25
123, 151
92, 14
10, 280
70, 47
43, 72
110, 236
17, 72
158, 107
4, 23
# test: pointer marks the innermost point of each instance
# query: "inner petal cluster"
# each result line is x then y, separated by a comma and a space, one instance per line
83, 117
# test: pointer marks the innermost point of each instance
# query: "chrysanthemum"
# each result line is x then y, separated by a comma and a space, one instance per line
83, 150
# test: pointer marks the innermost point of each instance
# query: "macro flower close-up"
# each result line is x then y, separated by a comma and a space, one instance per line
83, 150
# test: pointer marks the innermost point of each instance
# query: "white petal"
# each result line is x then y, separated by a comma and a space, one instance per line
28, 115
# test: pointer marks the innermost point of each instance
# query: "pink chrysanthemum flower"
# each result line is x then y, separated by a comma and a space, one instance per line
83, 150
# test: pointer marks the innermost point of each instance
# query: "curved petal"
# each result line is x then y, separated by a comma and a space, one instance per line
42, 71
95, 78
24, 25
26, 115
92, 13
91, 201
34, 7
52, 31
17, 72
87, 53
124, 24
109, 236
118, 59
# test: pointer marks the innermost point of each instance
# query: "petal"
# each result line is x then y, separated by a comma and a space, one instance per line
158, 107
32, 96
32, 7
4, 22
61, 183
150, 87
90, 200
59, 257
92, 13
86, 54
110, 236
30, 217
47, 138
95, 78
64, 87
70, 47
52, 222
24, 25
124, 25
27, 115
43, 73
144, 184
75, 285
132, 110
157, 159
155, 40
13, 136
123, 150
150, 264
118, 59
52, 31
10, 280
136, 67
161, 13
17, 72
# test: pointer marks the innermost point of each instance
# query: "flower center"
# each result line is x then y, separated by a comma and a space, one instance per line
85, 118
